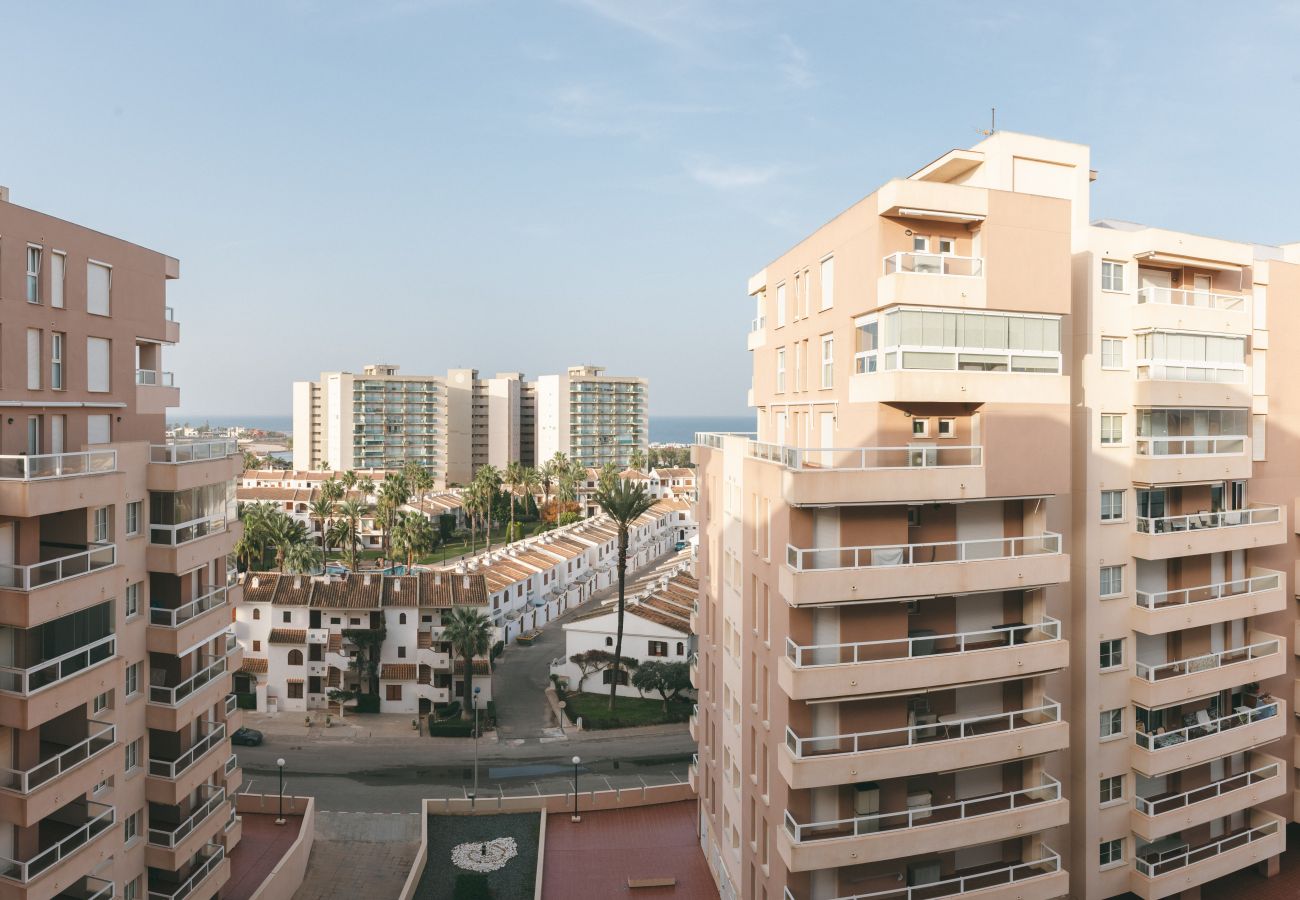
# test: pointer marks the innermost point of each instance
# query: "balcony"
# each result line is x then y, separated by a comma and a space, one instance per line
181, 465
757, 337
33, 695
694, 724
26, 798
57, 482
932, 279
922, 830
174, 630
172, 769
171, 706
155, 392
693, 773
896, 385
60, 837
1038, 879
88, 888
1165, 611
207, 873
816, 575
945, 744
1168, 683
1208, 532
178, 548
31, 577
1191, 458
170, 844
816, 671
1183, 868
1210, 738
1169, 383
1169, 309
1154, 817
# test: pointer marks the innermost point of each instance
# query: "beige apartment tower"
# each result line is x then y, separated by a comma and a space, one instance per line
995, 600
116, 583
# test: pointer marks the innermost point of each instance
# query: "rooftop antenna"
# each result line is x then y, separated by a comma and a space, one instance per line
993, 123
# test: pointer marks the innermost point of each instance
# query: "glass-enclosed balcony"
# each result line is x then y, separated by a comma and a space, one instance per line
57, 465
57, 651
179, 452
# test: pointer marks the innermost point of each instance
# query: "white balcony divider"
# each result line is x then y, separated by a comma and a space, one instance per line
912, 817
933, 264
1203, 299
29, 577
1168, 864
171, 768
176, 535
1174, 737
170, 837
820, 558
154, 377
1178, 370
1207, 592
927, 456
232, 704
1049, 863
47, 466
1191, 445
173, 696
192, 451
216, 853
1206, 792
1229, 518
100, 818
50, 672
95, 889
927, 733
1207, 661
812, 656
103, 735
174, 618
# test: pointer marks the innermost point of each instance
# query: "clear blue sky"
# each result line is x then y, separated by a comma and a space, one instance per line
526, 185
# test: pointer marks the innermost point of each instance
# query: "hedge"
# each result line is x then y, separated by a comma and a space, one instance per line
246, 700
367, 703
451, 728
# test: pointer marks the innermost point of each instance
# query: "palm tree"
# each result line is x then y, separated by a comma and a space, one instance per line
393, 495
488, 481
470, 634
608, 475
252, 544
321, 511
545, 478
283, 532
413, 535
637, 459
304, 557
531, 481
332, 489
624, 503
366, 485
418, 479
350, 513
339, 534
514, 477
349, 480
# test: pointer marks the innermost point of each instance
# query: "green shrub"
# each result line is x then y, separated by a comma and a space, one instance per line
497, 649
471, 886
367, 703
451, 728
246, 701
447, 710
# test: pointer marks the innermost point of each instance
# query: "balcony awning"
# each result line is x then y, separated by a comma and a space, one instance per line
1156, 258
934, 215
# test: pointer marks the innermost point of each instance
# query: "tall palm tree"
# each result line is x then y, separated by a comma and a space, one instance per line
332, 489
321, 511
488, 480
252, 544
350, 513
624, 503
349, 480
282, 533
413, 535
418, 479
637, 459
545, 478
514, 478
470, 634
393, 495
608, 475
305, 558
366, 485
531, 481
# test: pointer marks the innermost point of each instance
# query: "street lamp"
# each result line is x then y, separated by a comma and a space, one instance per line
474, 700
575, 818
280, 818
563, 705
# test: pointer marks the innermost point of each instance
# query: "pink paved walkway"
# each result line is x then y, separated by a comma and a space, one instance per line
260, 849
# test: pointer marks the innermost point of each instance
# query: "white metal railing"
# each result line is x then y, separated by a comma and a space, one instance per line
714, 439
174, 618
232, 704
47, 673
154, 377
808, 656
1255, 515
921, 733
917, 456
1203, 593
232, 763
1176, 370
758, 323
192, 451
216, 853
170, 837
94, 889
933, 264
1206, 792
1191, 445
169, 314
25, 870
24, 782
803, 559
36, 575
57, 465
1205, 299
1049, 863
1207, 661
175, 535
986, 361
173, 696
892, 822
171, 768
1176, 736
1167, 864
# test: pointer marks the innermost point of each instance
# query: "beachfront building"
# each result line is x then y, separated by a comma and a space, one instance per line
592, 418
115, 582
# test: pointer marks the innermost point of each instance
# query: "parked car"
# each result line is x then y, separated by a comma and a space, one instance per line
679, 546
247, 737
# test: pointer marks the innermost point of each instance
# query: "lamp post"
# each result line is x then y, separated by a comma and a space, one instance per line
474, 700
575, 818
563, 705
280, 818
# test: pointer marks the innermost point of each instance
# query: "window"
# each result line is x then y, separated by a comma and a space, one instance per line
133, 754
295, 657
133, 517
131, 826
1112, 580
1112, 506
295, 690
1112, 722
947, 428
1112, 429
1112, 353
99, 280
401, 618
102, 701
133, 679
58, 265
257, 646
392, 692
1112, 852
920, 244
828, 282
335, 620
828, 360
102, 786
57, 340
401, 653
257, 614
131, 890
33, 274
287, 618
780, 370
929, 339
947, 246
609, 642
609, 674
133, 599
681, 648
1112, 789
780, 304
101, 525
99, 352
34, 359
920, 427
657, 648
1112, 275
1112, 653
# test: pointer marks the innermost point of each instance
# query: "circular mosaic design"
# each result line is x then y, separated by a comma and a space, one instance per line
484, 856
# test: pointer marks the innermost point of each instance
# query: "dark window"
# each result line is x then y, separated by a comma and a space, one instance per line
609, 642
287, 617
295, 657
401, 618
609, 675
295, 690
393, 692
257, 614
658, 648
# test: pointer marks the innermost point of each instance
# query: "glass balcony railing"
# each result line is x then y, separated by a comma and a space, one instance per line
1206, 662
173, 768
178, 694
175, 535
1184, 596
79, 823
1255, 515
26, 682
1165, 863
917, 456
1204, 727
174, 618
103, 735
1157, 806
1191, 445
52, 571
1203, 299
154, 377
204, 862
825, 558
933, 264
192, 451
57, 465
170, 836
807, 656
980, 880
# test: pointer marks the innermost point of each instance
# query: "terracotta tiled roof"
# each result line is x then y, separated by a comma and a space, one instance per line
481, 667
435, 589
447, 588
348, 592
397, 672
401, 590
288, 636
253, 666
659, 618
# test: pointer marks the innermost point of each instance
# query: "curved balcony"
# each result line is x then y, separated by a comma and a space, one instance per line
1170, 873
1036, 879
63, 835
815, 671
1165, 611
1168, 683
57, 482
1155, 817
921, 830
1178, 748
897, 571
876, 474
945, 744
1208, 532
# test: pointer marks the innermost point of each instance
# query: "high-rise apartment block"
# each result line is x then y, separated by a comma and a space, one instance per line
116, 583
454, 424
995, 600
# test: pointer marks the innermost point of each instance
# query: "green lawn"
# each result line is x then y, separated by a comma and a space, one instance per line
629, 712
449, 551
